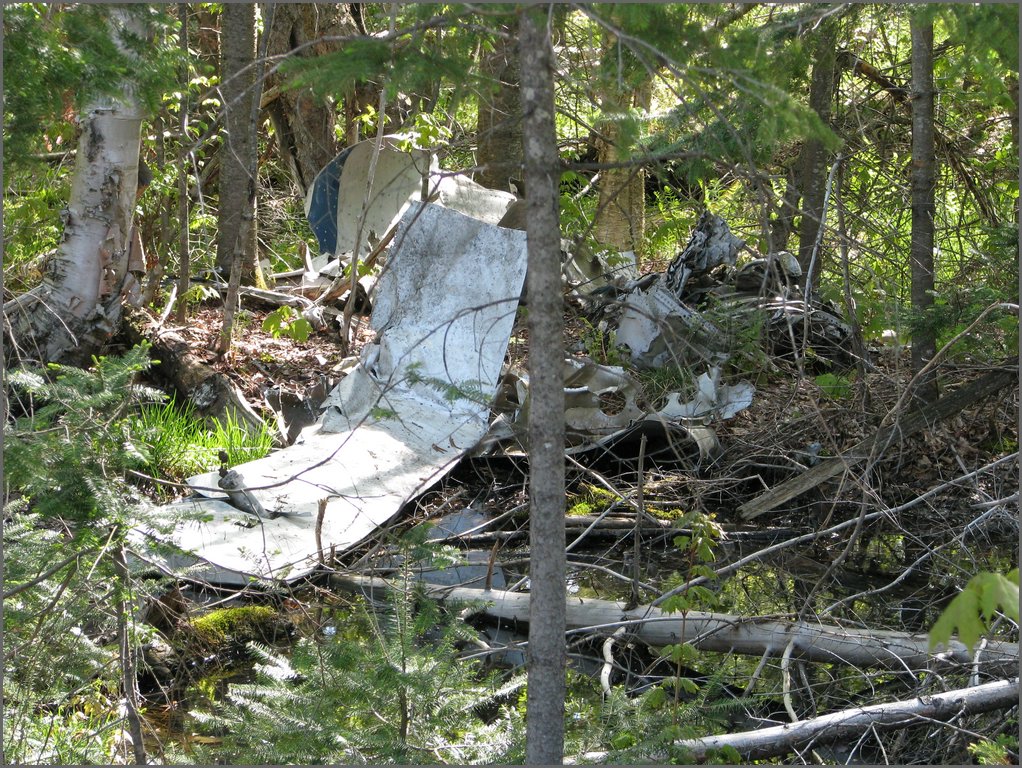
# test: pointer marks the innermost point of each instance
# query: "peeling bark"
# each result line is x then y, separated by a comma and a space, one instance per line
77, 308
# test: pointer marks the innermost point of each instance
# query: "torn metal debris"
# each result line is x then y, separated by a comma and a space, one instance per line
418, 400
667, 319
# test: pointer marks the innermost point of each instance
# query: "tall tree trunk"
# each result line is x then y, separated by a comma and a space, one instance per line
924, 340
813, 162
547, 654
499, 150
245, 260
77, 308
237, 47
621, 212
304, 123
184, 166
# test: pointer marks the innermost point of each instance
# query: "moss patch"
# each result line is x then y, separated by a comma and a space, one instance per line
238, 625
591, 501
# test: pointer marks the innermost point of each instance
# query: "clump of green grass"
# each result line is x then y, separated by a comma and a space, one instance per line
177, 443
658, 383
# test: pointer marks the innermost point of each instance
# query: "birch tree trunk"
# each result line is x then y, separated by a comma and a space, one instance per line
730, 633
77, 308
620, 219
850, 724
547, 654
924, 341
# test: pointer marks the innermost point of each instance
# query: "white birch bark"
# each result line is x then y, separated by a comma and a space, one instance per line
77, 307
730, 633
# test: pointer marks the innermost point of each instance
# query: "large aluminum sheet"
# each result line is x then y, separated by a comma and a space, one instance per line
417, 402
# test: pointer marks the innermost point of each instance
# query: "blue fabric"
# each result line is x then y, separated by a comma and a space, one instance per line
323, 204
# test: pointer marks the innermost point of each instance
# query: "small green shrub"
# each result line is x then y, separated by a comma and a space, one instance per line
288, 322
602, 346
834, 386
996, 752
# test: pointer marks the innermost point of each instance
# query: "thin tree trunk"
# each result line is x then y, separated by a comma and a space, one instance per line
499, 150
129, 680
245, 260
924, 340
77, 308
303, 121
814, 163
184, 260
237, 45
547, 654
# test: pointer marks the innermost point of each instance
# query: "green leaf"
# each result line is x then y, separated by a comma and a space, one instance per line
680, 653
675, 604
623, 740
997, 592
687, 685
962, 613
656, 698
286, 321
970, 610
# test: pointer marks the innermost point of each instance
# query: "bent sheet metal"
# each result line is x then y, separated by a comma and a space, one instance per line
417, 402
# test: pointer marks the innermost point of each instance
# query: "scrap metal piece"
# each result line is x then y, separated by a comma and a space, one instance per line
710, 245
242, 498
418, 401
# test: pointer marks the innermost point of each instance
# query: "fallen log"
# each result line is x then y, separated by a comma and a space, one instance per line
616, 528
212, 393
727, 633
848, 724
907, 425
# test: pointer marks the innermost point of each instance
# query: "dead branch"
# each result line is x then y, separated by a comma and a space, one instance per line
850, 723
910, 424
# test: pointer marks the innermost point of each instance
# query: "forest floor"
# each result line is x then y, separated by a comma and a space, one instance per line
898, 575
762, 445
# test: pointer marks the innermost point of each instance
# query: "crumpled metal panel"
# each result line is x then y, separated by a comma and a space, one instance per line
417, 402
